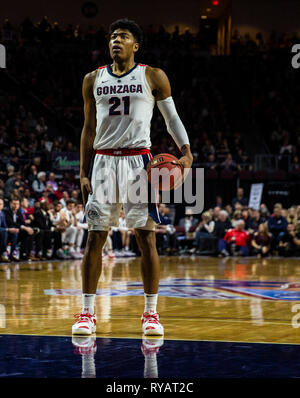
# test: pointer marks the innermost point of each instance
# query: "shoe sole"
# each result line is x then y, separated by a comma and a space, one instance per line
152, 332
82, 331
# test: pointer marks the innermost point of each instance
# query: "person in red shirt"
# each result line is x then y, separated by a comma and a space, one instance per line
235, 241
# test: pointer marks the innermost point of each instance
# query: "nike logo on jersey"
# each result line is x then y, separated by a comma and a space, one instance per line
104, 81
120, 89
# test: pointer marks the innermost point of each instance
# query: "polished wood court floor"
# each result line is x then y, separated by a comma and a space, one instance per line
203, 299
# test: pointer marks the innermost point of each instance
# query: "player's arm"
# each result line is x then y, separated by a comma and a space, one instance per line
161, 89
87, 135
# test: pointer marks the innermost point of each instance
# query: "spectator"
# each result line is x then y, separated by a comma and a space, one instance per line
222, 226
229, 163
292, 216
28, 196
68, 214
289, 242
59, 225
277, 225
215, 213
4, 230
32, 175
125, 234
42, 221
12, 183
236, 241
165, 232
82, 226
38, 185
203, 231
240, 198
65, 197
261, 242
52, 182
189, 221
237, 216
41, 127
255, 220
15, 220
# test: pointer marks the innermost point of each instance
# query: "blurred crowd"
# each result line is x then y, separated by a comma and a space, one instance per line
53, 226
232, 230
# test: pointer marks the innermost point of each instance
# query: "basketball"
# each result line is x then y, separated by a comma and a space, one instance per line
170, 174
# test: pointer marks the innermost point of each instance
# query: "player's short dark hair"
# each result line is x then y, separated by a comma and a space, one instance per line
132, 26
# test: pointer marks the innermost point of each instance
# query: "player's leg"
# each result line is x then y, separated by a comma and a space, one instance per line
91, 271
150, 268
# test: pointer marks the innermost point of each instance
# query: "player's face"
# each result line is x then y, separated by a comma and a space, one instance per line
122, 45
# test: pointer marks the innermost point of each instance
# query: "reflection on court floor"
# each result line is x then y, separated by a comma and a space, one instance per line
232, 317
91, 357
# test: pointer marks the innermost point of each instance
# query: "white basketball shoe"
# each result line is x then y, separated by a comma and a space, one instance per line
85, 325
151, 325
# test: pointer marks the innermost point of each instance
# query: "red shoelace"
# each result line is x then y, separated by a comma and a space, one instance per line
151, 318
84, 317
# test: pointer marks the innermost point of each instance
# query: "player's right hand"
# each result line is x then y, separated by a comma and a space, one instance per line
86, 189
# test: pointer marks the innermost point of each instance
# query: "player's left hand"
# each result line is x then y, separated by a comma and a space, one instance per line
186, 161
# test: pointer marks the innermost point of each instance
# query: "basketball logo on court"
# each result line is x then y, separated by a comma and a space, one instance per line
200, 289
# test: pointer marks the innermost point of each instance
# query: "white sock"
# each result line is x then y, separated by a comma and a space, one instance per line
88, 303
150, 302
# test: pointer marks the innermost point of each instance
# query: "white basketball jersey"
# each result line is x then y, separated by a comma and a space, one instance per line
124, 107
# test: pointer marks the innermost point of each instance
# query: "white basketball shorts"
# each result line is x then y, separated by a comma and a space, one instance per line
119, 180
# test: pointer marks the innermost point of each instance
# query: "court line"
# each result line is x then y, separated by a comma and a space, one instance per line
178, 319
153, 338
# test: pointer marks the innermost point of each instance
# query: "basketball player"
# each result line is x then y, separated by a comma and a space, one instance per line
118, 106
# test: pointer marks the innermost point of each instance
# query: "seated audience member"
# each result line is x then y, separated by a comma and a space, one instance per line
228, 209
4, 230
38, 185
255, 220
261, 242
126, 234
65, 197
289, 242
246, 217
188, 221
264, 212
14, 182
185, 230
203, 230
240, 198
222, 225
236, 241
15, 220
236, 217
277, 225
292, 216
229, 163
59, 225
28, 195
165, 232
215, 213
68, 215
43, 238
52, 182
82, 226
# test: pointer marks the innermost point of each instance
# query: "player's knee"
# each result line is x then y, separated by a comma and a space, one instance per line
146, 240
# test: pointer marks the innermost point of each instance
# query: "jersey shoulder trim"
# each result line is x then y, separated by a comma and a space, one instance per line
102, 67
142, 65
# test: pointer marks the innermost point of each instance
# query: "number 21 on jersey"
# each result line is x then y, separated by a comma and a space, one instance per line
117, 108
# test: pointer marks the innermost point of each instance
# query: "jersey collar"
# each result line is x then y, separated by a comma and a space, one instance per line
124, 74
